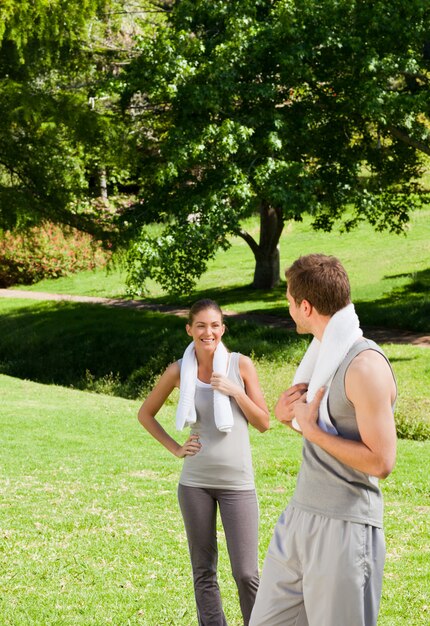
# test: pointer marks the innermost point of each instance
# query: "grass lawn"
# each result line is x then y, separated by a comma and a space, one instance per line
121, 351
91, 532
390, 274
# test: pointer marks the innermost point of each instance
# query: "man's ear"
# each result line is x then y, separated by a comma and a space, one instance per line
307, 307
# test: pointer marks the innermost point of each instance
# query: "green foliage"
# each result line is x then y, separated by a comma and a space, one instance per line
42, 31
183, 248
408, 428
47, 251
58, 131
291, 106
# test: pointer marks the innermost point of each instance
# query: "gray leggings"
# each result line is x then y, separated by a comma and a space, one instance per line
239, 516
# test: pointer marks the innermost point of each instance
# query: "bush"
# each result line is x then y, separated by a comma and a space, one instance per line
417, 429
47, 251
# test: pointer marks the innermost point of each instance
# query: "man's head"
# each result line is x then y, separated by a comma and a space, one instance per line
321, 280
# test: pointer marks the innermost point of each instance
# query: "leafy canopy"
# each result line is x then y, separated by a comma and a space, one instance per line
58, 127
289, 106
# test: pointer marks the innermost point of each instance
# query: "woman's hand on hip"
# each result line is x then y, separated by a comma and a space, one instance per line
190, 447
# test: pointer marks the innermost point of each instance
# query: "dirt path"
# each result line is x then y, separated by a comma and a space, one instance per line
380, 335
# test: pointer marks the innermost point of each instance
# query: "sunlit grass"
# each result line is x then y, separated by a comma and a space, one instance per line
90, 529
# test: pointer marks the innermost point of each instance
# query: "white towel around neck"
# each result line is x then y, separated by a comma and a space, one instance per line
322, 359
186, 411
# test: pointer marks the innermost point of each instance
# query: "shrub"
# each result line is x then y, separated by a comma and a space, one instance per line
47, 251
417, 429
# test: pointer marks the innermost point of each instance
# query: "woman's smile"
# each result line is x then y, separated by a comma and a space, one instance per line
207, 328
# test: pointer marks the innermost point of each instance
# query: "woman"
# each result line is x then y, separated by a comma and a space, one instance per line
217, 469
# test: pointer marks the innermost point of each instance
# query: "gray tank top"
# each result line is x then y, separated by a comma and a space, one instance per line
326, 486
224, 461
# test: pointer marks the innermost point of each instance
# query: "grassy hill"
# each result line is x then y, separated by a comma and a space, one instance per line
91, 532
121, 352
90, 528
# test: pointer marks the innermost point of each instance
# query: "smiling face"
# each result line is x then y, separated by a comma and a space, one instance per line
206, 329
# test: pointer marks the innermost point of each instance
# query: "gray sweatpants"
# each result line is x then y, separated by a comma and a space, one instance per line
320, 571
239, 516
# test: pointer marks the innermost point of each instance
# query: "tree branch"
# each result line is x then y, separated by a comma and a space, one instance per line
249, 240
410, 141
416, 76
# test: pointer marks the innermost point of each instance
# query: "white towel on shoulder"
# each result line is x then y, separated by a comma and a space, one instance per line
186, 411
322, 359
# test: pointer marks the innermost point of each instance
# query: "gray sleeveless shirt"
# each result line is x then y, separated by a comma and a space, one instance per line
326, 486
224, 460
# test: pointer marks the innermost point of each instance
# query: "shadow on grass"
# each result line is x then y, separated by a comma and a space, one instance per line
406, 307
107, 349
226, 295
121, 351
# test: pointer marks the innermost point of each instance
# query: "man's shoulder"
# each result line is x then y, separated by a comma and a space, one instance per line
369, 370
370, 355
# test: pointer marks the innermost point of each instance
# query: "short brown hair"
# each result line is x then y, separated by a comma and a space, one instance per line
321, 280
202, 305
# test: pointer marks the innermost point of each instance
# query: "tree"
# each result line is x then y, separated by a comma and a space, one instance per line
59, 129
284, 107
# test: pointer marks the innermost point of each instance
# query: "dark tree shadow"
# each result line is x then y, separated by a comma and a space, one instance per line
116, 350
225, 295
121, 350
406, 307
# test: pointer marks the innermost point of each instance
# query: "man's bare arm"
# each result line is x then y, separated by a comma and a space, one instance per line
370, 387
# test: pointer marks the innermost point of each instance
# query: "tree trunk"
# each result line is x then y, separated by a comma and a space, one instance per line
266, 252
103, 184
267, 267
267, 270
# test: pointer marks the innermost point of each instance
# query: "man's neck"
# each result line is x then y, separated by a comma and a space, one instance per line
319, 325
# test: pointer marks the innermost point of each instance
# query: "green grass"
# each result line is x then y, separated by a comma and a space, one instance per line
90, 530
88, 346
121, 351
390, 274
103, 283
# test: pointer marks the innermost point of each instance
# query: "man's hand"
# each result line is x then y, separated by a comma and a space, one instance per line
284, 408
306, 414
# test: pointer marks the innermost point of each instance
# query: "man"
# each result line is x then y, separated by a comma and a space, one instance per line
325, 562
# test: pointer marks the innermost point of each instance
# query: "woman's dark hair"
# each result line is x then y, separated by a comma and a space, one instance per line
202, 305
